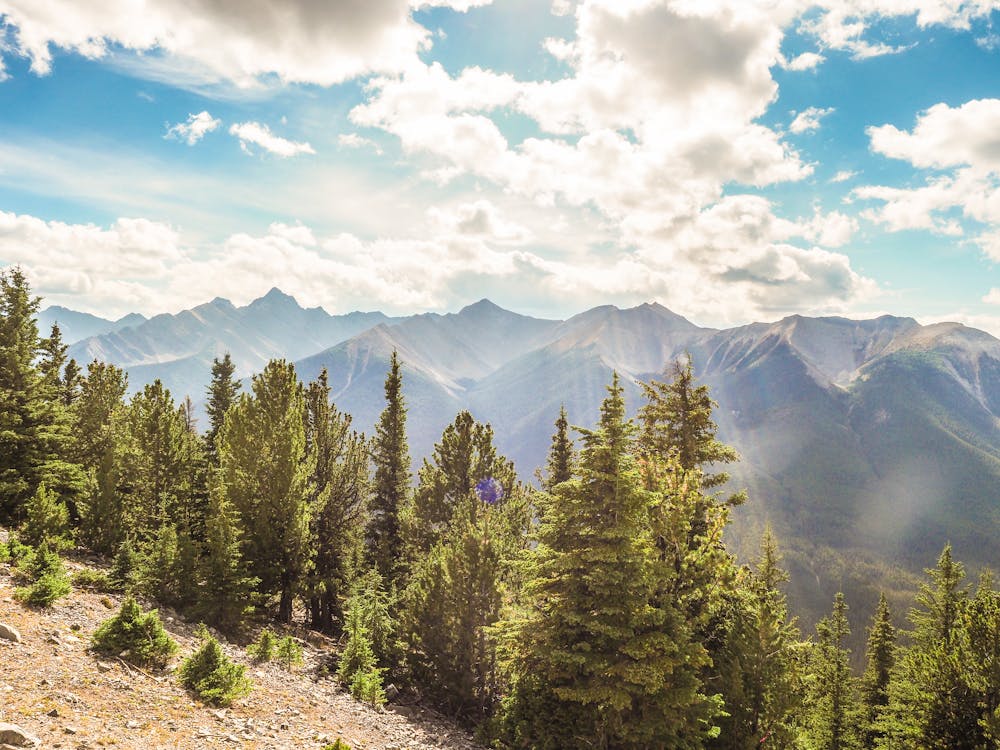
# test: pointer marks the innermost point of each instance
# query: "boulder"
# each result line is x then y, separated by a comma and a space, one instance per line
9, 632
11, 734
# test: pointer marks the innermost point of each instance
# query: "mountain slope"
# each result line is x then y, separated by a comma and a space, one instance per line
76, 326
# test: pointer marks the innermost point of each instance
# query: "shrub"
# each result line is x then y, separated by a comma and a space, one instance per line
136, 636
17, 549
4, 554
92, 580
288, 653
338, 745
211, 675
358, 668
41, 561
44, 591
263, 648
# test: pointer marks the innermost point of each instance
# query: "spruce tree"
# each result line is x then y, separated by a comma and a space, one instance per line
832, 709
265, 471
559, 464
46, 521
595, 662
677, 420
222, 392
879, 660
391, 458
227, 590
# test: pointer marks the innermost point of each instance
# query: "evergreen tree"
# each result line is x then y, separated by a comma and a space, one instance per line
832, 709
391, 457
339, 488
98, 429
677, 420
559, 465
227, 591
265, 472
46, 521
222, 392
34, 428
464, 456
879, 660
931, 703
757, 668
595, 662
71, 383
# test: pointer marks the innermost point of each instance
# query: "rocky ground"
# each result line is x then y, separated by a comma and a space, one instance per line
54, 688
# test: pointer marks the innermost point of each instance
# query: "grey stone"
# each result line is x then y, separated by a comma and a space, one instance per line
11, 734
9, 633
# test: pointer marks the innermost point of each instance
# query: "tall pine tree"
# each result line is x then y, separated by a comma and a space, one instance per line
222, 391
391, 457
832, 708
559, 464
880, 658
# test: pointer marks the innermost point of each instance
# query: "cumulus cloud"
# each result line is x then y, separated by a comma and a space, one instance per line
805, 61
298, 41
194, 129
808, 119
843, 176
992, 297
258, 134
354, 140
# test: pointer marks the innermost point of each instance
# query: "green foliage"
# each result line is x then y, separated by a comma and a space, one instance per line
46, 520
339, 487
227, 593
264, 472
288, 653
559, 464
391, 458
18, 550
4, 554
222, 392
338, 745
45, 590
124, 573
879, 661
46, 573
358, 668
599, 652
211, 675
136, 636
92, 580
263, 648
832, 709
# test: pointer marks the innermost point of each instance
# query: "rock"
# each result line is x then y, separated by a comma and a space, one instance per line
11, 734
54, 712
391, 692
103, 666
70, 730
9, 633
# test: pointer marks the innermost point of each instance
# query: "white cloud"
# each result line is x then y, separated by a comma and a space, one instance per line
353, 140
462, 6
843, 176
805, 61
808, 119
946, 136
194, 129
258, 134
298, 41
992, 297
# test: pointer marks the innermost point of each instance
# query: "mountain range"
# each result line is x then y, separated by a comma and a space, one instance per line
866, 444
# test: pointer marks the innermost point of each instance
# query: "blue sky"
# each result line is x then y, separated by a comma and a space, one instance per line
735, 160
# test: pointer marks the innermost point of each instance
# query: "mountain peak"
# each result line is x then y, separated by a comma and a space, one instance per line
275, 297
482, 307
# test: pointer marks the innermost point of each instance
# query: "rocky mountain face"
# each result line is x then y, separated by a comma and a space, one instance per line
866, 445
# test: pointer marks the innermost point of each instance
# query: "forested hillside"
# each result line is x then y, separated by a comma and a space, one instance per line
602, 610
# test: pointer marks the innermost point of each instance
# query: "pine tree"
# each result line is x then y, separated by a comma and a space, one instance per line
464, 456
559, 465
99, 428
832, 709
227, 591
595, 662
339, 488
222, 392
265, 472
879, 660
391, 457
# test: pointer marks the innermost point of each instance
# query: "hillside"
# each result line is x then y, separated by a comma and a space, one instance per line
57, 690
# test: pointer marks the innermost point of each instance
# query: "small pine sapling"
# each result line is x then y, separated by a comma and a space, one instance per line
135, 636
211, 675
264, 647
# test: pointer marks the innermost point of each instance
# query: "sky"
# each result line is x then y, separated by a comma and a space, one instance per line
733, 160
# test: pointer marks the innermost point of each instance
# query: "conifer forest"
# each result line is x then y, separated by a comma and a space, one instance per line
595, 605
